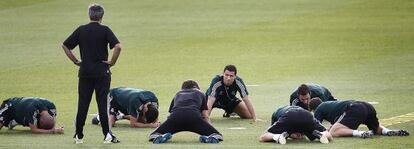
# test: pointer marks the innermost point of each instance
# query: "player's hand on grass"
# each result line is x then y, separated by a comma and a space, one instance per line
155, 125
59, 130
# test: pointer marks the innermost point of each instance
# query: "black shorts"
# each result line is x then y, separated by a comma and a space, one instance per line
360, 113
226, 104
297, 121
114, 108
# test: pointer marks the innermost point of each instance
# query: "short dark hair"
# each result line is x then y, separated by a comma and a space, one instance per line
231, 68
303, 89
152, 113
190, 84
46, 122
96, 12
314, 103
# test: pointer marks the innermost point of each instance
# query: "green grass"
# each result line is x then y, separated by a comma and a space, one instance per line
359, 49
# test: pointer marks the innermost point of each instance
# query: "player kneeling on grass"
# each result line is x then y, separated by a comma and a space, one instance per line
345, 117
139, 106
37, 113
188, 112
294, 122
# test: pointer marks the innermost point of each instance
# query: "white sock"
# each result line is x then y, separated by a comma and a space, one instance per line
384, 130
276, 137
357, 133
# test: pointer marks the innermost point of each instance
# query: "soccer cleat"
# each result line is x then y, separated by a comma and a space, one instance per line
208, 139
229, 114
398, 133
95, 119
110, 139
78, 140
324, 137
12, 124
367, 134
162, 138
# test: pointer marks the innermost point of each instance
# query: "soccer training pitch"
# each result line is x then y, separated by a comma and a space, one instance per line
359, 49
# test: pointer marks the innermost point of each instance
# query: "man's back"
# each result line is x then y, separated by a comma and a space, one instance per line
331, 110
191, 99
93, 40
132, 99
26, 110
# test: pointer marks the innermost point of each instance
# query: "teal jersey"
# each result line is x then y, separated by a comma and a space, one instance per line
26, 110
315, 91
130, 101
331, 110
281, 111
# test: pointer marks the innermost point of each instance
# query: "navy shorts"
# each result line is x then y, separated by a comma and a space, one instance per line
360, 113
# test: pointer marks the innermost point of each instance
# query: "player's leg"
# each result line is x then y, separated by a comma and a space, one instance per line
102, 99
208, 133
85, 90
349, 122
165, 131
241, 109
278, 132
373, 124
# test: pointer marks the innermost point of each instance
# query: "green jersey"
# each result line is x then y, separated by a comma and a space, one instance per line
130, 101
331, 110
281, 111
26, 110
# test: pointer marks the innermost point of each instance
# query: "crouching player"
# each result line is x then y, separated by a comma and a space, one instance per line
294, 122
38, 114
188, 112
346, 116
139, 106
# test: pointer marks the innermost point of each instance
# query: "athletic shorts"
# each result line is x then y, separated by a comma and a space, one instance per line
297, 121
226, 104
360, 113
5, 113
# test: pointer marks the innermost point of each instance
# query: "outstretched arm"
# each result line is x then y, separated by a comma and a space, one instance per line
249, 107
210, 102
136, 124
36, 130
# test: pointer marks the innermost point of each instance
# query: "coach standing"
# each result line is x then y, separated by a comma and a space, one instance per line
94, 74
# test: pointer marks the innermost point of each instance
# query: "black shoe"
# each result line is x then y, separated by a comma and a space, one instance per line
398, 133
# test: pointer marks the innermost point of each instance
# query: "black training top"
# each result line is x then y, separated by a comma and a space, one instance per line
220, 91
191, 99
93, 40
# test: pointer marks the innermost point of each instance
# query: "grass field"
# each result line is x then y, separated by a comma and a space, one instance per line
359, 49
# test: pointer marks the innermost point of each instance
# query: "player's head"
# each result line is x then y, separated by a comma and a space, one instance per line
46, 122
190, 84
229, 74
96, 12
314, 103
151, 115
304, 94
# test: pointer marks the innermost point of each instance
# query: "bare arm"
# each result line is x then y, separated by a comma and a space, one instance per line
266, 137
136, 124
36, 130
250, 107
204, 114
70, 55
115, 55
210, 102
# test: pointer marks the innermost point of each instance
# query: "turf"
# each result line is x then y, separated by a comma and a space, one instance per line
359, 49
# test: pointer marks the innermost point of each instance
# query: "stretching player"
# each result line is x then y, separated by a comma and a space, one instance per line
346, 116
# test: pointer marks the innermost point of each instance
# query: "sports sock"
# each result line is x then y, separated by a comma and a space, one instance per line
384, 130
276, 137
357, 133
